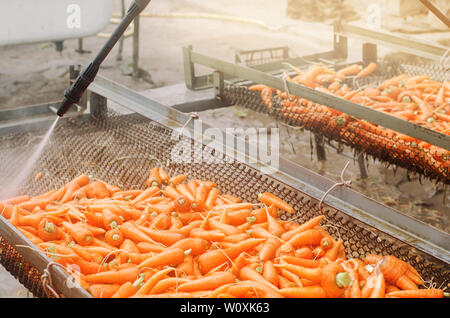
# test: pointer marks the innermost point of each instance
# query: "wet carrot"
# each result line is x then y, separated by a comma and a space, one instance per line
303, 292
419, 293
154, 179
369, 69
172, 256
208, 282
126, 290
103, 290
305, 226
114, 237
270, 199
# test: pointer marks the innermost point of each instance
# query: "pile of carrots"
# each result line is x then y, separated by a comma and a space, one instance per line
184, 238
417, 99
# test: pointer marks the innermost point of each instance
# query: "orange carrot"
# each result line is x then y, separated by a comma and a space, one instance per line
48, 231
350, 70
305, 226
113, 277
131, 231
211, 235
369, 69
196, 246
154, 179
163, 176
165, 237
103, 290
114, 237
334, 280
208, 282
248, 273
270, 273
213, 258
418, 293
125, 291
270, 199
153, 280
171, 256
309, 237
80, 234
379, 288
303, 292
177, 179
269, 249
167, 283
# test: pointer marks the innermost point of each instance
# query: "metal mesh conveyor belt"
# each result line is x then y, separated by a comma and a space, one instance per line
376, 143
121, 149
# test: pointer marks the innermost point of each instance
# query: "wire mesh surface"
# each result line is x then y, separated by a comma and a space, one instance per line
24, 272
369, 140
121, 150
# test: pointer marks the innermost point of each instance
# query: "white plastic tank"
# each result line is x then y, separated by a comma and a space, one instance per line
28, 21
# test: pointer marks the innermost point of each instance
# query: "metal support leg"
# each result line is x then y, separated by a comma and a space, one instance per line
98, 105
340, 44
136, 48
120, 49
320, 148
80, 47
362, 166
189, 72
219, 84
369, 53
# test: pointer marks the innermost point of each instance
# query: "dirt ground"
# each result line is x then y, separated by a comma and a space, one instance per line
37, 73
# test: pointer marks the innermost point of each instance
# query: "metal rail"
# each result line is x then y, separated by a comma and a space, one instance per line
404, 44
350, 108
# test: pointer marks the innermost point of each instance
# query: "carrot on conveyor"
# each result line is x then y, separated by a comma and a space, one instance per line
228, 248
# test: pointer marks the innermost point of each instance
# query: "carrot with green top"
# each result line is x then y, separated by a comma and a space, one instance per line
195, 246
80, 234
183, 189
182, 204
301, 228
164, 176
114, 237
48, 231
147, 193
248, 273
213, 258
133, 232
177, 179
154, 179
126, 290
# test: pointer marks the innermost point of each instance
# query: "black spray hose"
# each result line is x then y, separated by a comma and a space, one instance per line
73, 94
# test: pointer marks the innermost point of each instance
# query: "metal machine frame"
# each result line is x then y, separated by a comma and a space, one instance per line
265, 74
